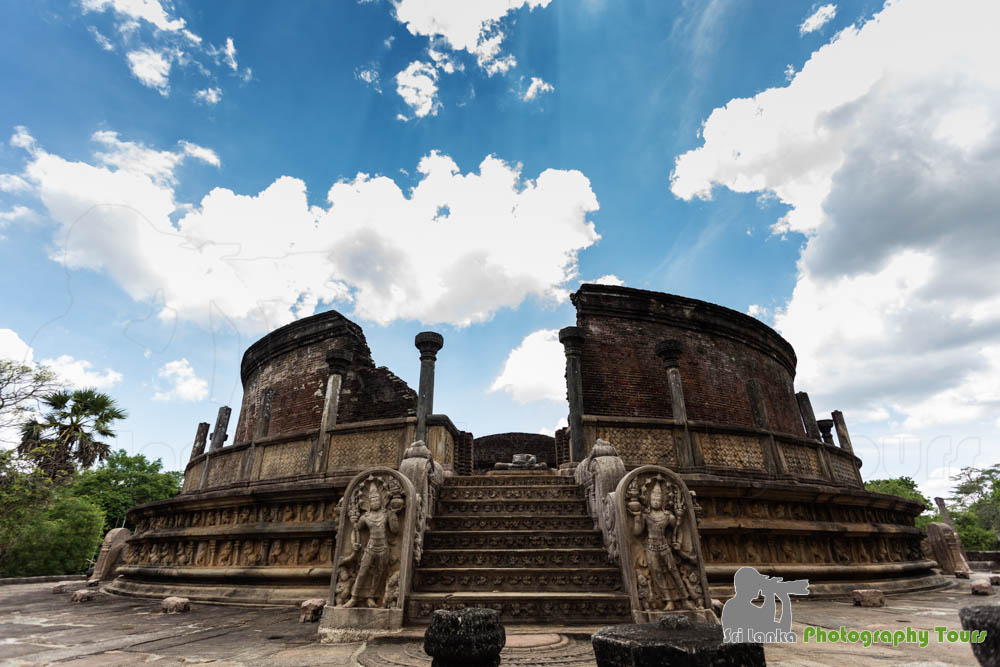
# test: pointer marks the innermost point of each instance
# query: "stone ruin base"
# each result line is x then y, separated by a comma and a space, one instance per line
695, 616
341, 625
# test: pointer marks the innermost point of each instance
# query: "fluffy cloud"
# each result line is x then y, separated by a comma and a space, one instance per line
209, 96
369, 76
153, 40
818, 19
80, 373
537, 87
151, 67
473, 27
884, 149
13, 348
417, 85
551, 432
184, 384
609, 279
453, 248
535, 369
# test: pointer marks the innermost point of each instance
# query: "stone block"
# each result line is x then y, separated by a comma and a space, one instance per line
982, 587
60, 588
175, 605
985, 617
312, 610
83, 595
868, 597
962, 574
471, 637
339, 624
995, 579
675, 641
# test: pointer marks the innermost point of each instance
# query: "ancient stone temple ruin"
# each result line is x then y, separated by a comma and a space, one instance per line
341, 482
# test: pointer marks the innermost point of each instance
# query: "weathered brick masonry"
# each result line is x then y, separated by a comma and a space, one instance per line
501, 447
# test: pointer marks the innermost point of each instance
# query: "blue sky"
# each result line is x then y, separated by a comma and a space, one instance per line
177, 179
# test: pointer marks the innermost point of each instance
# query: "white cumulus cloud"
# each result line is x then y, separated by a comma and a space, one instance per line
537, 87
80, 373
184, 384
453, 248
535, 369
818, 19
151, 67
417, 85
885, 149
209, 96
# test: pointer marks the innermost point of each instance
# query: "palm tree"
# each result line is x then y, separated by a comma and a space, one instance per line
69, 430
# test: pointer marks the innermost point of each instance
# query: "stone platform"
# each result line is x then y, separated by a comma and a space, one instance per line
38, 627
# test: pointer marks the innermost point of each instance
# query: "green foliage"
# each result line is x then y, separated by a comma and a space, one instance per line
61, 539
124, 481
23, 490
974, 536
68, 431
904, 487
975, 507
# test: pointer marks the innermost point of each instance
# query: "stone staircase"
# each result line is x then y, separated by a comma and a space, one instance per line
519, 543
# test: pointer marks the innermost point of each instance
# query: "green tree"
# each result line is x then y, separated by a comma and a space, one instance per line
69, 430
975, 507
22, 386
122, 482
904, 487
24, 490
60, 539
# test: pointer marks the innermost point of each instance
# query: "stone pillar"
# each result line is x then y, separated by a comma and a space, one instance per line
808, 416
758, 409
219, 435
338, 361
945, 514
669, 351
263, 418
572, 341
842, 435
200, 438
428, 342
826, 430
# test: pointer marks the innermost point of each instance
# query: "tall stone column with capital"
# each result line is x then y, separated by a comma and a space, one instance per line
572, 340
428, 342
338, 361
669, 351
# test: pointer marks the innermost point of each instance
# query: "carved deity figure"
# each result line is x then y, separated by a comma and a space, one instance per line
309, 552
374, 563
225, 553
201, 555
661, 527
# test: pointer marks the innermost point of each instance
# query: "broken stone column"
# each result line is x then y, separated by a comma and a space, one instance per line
111, 550
572, 341
669, 352
219, 435
758, 409
826, 430
808, 416
428, 342
338, 361
842, 435
945, 514
471, 637
200, 438
672, 641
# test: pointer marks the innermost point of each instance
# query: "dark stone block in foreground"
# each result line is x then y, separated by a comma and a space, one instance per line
675, 641
470, 637
985, 617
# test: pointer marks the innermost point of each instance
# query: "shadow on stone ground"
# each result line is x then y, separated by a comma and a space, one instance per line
39, 627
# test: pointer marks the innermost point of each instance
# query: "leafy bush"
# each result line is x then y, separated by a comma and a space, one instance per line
57, 540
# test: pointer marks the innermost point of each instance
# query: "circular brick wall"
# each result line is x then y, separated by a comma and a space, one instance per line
501, 447
722, 350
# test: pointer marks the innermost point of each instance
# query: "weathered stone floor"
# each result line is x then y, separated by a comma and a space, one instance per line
39, 627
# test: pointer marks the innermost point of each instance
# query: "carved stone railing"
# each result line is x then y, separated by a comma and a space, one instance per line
660, 550
427, 476
598, 475
373, 558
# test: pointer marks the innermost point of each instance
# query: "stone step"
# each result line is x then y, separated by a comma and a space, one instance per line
509, 522
509, 480
527, 492
529, 558
512, 539
514, 608
480, 507
537, 580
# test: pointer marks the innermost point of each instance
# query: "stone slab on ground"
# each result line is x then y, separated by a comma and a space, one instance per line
37, 628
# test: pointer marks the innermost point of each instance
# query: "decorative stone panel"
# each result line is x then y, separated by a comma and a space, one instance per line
731, 450
636, 445
364, 449
285, 459
802, 460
